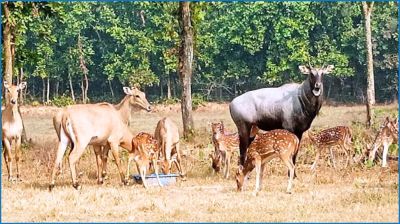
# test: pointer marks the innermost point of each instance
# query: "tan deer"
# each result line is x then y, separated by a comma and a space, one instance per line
167, 136
225, 145
99, 125
337, 136
387, 135
266, 146
12, 128
145, 151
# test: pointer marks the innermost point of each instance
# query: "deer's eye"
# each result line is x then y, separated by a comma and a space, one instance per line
137, 96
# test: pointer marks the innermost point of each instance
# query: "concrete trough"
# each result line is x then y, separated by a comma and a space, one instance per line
151, 180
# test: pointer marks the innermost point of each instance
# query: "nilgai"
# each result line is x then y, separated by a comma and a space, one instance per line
11, 121
167, 136
266, 146
387, 135
337, 136
292, 107
100, 125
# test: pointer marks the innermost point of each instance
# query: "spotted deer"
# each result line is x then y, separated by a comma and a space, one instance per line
167, 136
11, 121
266, 146
225, 145
145, 151
337, 136
387, 135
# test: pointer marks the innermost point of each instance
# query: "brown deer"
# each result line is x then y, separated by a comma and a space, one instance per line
225, 145
266, 146
387, 135
336, 136
99, 125
145, 151
12, 128
167, 136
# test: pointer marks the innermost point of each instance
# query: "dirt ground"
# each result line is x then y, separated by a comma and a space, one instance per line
359, 193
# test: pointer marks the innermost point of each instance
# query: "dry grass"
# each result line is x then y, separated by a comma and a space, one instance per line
355, 194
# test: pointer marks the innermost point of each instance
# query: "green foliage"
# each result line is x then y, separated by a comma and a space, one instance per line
198, 100
62, 101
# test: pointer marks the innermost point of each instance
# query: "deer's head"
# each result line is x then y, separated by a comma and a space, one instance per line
13, 91
217, 128
315, 76
137, 97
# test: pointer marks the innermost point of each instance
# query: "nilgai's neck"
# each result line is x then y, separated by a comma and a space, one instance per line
126, 142
124, 109
11, 112
310, 103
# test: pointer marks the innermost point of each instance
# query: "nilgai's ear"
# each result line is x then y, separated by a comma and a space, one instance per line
304, 69
22, 85
127, 90
329, 69
6, 85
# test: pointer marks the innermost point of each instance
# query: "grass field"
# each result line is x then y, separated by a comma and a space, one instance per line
358, 193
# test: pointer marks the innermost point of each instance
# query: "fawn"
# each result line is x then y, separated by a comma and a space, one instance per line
336, 136
225, 145
266, 146
387, 135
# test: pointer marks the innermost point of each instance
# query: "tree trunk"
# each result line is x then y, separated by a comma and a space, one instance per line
71, 86
367, 11
57, 87
86, 87
169, 87
83, 92
111, 89
7, 55
43, 91
23, 92
48, 90
186, 66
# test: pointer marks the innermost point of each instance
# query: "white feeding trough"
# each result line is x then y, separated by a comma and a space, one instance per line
151, 180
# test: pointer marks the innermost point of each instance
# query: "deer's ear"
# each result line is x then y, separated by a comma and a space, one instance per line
329, 69
127, 90
22, 85
6, 85
304, 69
240, 169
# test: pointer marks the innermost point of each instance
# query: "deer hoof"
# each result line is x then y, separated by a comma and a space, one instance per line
288, 192
100, 182
51, 186
125, 182
77, 186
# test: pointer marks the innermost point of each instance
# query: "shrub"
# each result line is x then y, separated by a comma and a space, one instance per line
198, 100
62, 101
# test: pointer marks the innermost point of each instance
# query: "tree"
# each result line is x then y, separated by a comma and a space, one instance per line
7, 55
186, 66
367, 11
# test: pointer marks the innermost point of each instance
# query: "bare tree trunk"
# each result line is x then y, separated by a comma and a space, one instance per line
367, 11
86, 87
186, 66
57, 87
83, 92
21, 78
43, 91
169, 86
71, 86
7, 55
48, 90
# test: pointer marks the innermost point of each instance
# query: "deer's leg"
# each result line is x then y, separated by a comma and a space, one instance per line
7, 157
317, 154
74, 156
62, 147
99, 159
227, 164
332, 157
373, 152
261, 175
289, 163
105, 150
154, 162
346, 153
258, 174
178, 162
385, 153
115, 152
130, 158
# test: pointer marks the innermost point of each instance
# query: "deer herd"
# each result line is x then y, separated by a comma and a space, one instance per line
104, 126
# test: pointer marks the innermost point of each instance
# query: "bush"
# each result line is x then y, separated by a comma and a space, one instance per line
62, 101
35, 103
198, 100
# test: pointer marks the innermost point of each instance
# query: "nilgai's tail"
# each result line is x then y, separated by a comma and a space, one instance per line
57, 119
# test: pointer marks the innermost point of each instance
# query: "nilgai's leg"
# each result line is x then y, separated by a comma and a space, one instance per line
74, 156
115, 152
317, 154
289, 163
178, 162
99, 159
62, 147
385, 153
258, 174
18, 155
244, 142
8, 158
105, 150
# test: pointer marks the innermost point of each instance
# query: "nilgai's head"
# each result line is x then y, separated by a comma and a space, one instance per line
215, 161
165, 167
12, 91
217, 128
137, 97
240, 178
315, 76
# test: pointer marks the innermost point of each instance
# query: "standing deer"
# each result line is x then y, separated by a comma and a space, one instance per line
387, 135
167, 136
145, 150
266, 146
292, 107
328, 138
12, 128
99, 125
225, 145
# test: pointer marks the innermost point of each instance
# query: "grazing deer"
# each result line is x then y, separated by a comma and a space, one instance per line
99, 125
12, 128
336, 136
145, 151
167, 136
225, 145
266, 146
387, 135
